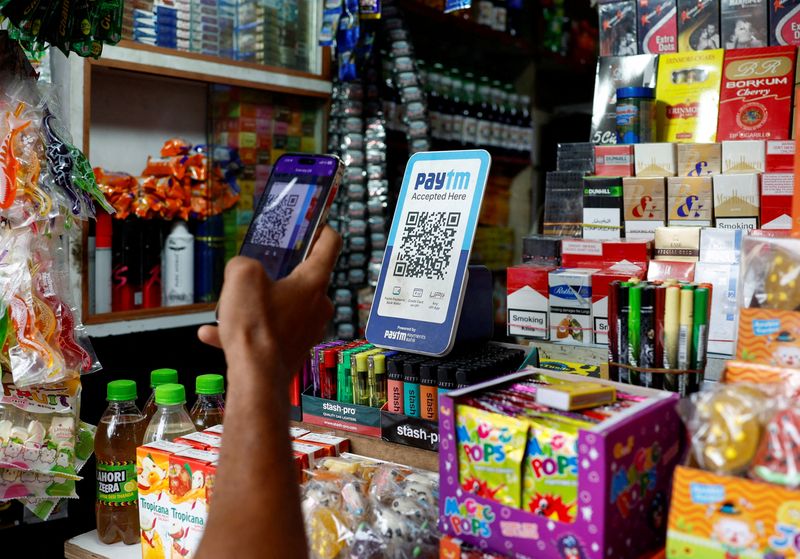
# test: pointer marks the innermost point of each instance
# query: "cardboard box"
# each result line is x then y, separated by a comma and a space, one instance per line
696, 160
743, 157
655, 160
669, 269
617, 28
645, 206
155, 511
216, 429
721, 246
784, 22
624, 467
780, 156
584, 253
718, 516
776, 200
339, 444
677, 244
192, 477
602, 207
201, 441
613, 161
689, 201
698, 25
410, 431
601, 282
722, 327
744, 24
571, 305
355, 418
527, 302
756, 106
736, 201
658, 26
297, 432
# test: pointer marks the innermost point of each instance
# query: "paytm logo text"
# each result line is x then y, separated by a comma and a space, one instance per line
451, 180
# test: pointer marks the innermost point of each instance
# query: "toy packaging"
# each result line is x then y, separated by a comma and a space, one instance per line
658, 26
784, 22
756, 96
687, 94
618, 28
589, 487
744, 24
698, 25
614, 72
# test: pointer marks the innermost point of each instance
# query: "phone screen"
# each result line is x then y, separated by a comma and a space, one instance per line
289, 211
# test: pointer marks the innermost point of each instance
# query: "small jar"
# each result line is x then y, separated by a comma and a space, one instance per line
636, 115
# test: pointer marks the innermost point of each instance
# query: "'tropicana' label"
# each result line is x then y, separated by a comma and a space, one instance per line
116, 483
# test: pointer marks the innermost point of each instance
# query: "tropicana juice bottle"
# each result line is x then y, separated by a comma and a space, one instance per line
119, 433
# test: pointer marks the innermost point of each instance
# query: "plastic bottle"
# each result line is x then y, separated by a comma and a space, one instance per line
470, 129
157, 378
171, 420
119, 433
178, 270
102, 264
484, 114
209, 407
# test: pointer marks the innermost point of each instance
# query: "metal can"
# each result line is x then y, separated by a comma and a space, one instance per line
636, 115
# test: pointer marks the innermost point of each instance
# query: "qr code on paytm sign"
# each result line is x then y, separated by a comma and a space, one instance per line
426, 245
273, 223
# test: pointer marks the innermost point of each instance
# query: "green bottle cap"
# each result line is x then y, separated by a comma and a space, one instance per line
121, 391
210, 384
170, 394
163, 376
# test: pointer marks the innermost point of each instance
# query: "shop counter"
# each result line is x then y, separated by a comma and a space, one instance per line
87, 546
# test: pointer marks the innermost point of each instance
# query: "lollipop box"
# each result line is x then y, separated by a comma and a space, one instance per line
625, 473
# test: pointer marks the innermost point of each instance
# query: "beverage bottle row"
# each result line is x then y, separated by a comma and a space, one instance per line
123, 428
475, 112
501, 15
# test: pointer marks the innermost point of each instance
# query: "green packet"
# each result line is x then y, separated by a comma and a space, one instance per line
490, 452
550, 474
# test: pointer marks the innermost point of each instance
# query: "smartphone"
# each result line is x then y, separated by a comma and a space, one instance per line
294, 204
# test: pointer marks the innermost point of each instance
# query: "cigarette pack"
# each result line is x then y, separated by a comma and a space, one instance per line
689, 201
677, 244
541, 249
528, 289
563, 203
192, 477
602, 207
658, 26
618, 28
757, 106
780, 156
687, 94
601, 283
571, 305
744, 23
736, 201
698, 25
776, 200
670, 269
655, 160
743, 156
575, 157
582, 253
784, 22
614, 72
696, 160
722, 328
613, 161
576, 395
720, 246
645, 206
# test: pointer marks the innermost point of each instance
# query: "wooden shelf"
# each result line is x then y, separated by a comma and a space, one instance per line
158, 61
130, 322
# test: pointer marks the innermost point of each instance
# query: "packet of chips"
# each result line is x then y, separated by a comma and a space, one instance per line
490, 452
550, 475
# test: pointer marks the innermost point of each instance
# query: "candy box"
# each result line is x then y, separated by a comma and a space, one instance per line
698, 25
689, 201
570, 305
658, 26
155, 510
725, 516
687, 93
623, 478
527, 302
776, 200
192, 476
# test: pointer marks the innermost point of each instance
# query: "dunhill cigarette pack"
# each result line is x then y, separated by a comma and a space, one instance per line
613, 161
602, 208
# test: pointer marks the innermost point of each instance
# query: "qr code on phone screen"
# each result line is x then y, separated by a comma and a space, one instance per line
272, 224
426, 245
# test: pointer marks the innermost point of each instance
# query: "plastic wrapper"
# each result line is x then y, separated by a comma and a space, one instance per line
777, 459
39, 427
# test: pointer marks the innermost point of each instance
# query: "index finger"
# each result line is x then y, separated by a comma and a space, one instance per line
323, 255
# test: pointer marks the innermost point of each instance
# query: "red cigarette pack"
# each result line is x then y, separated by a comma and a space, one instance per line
780, 156
669, 269
577, 253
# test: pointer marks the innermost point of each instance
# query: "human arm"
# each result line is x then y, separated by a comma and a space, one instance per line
265, 329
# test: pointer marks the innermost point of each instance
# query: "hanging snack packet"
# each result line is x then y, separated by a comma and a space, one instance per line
778, 457
550, 474
490, 453
22, 484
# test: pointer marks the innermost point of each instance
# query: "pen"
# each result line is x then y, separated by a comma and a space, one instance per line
672, 307
685, 336
699, 336
634, 329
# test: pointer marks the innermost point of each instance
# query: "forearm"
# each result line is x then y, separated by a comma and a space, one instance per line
255, 511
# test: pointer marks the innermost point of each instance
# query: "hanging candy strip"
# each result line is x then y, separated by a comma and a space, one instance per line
8, 161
